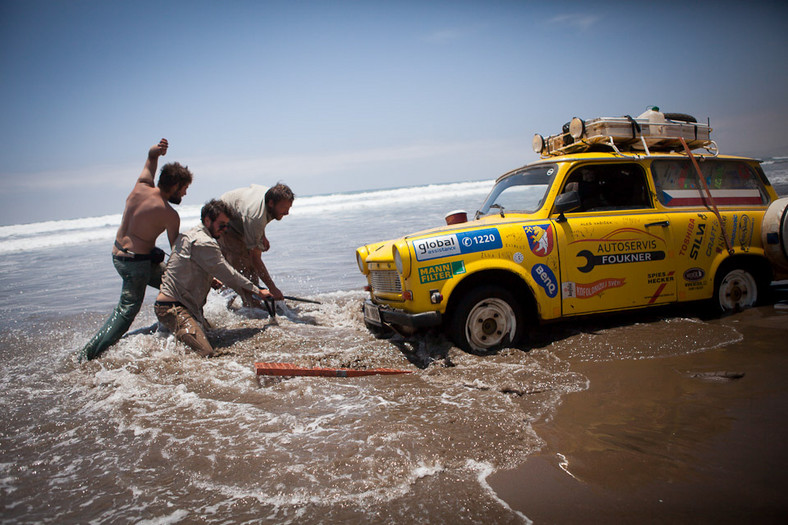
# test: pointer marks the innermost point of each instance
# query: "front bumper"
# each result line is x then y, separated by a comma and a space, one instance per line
381, 315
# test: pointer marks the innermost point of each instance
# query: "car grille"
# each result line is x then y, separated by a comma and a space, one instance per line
385, 281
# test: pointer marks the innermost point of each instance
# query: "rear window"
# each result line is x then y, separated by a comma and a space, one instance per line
731, 182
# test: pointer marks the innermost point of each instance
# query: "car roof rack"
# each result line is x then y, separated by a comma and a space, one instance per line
650, 131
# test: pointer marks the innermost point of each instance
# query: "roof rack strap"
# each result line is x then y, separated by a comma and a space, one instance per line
635, 126
710, 197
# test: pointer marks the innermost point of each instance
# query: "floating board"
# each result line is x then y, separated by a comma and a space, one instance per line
288, 369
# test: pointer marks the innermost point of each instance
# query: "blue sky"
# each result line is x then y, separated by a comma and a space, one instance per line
351, 95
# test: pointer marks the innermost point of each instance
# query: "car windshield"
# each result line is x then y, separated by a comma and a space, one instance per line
521, 191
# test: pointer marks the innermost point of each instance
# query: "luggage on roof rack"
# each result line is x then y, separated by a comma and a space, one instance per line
652, 130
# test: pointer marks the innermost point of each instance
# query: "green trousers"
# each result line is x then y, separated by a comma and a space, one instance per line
136, 276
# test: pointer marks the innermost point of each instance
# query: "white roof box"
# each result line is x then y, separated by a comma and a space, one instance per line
652, 130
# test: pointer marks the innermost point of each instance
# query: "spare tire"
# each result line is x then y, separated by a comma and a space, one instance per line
774, 234
683, 117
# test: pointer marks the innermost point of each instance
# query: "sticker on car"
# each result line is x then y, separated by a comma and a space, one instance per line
461, 243
545, 278
661, 278
441, 272
694, 274
592, 260
540, 239
571, 290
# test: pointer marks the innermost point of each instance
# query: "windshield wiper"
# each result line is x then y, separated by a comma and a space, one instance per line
498, 206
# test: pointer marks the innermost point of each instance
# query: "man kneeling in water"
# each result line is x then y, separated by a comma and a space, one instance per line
195, 261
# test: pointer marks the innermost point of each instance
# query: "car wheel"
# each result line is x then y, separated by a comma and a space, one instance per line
736, 289
486, 319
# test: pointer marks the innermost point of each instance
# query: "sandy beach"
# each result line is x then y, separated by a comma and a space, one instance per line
694, 438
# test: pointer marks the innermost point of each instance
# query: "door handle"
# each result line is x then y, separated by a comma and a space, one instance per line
664, 224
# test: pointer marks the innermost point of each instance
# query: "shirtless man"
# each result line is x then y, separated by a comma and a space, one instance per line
135, 256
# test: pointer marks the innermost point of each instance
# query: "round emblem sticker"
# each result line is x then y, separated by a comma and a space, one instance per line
518, 258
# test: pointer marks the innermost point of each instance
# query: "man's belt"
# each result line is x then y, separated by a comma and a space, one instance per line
135, 257
131, 256
168, 303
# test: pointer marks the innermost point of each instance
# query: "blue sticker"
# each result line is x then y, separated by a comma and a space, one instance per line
480, 240
545, 278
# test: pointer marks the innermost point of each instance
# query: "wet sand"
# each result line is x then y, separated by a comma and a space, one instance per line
689, 438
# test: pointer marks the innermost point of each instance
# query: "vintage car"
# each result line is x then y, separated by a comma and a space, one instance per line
617, 215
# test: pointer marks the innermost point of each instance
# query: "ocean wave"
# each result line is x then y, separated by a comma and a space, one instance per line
340, 202
774, 160
56, 234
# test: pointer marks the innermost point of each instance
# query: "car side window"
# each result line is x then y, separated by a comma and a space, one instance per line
730, 182
603, 187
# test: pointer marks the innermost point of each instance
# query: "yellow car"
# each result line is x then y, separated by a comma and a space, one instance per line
584, 232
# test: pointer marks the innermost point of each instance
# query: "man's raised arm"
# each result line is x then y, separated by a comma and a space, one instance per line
151, 164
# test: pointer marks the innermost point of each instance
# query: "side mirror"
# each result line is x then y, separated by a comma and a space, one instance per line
568, 201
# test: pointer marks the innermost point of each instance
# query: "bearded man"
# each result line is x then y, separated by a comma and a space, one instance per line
245, 241
135, 256
196, 261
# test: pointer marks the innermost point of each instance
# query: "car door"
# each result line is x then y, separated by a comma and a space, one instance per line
615, 247
701, 240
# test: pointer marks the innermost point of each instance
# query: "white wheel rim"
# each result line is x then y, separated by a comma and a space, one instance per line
738, 290
489, 323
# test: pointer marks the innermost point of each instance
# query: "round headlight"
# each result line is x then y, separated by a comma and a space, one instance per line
401, 258
538, 143
398, 260
360, 258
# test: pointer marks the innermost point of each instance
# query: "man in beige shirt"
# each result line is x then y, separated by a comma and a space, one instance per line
245, 240
147, 214
195, 261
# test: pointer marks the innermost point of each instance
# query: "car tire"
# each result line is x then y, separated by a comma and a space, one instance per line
774, 234
486, 319
736, 287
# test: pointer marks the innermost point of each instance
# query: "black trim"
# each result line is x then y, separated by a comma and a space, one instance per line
401, 318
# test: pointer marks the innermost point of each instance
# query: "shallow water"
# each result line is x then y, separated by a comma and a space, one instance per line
151, 431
